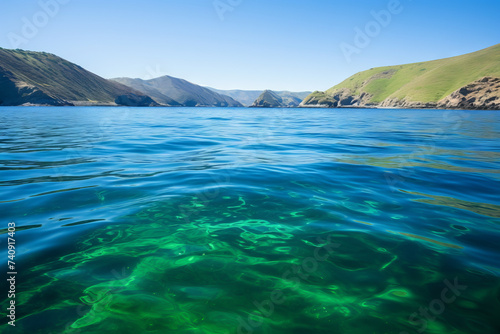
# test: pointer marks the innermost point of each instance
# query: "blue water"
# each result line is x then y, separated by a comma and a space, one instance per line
206, 220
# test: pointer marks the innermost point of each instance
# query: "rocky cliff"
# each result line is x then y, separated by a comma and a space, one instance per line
480, 94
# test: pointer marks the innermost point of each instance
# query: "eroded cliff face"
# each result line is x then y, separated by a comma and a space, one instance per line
341, 98
405, 104
480, 94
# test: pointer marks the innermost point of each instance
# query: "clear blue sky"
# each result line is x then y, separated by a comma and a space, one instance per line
275, 44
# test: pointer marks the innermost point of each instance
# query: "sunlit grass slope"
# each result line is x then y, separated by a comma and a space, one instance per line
424, 82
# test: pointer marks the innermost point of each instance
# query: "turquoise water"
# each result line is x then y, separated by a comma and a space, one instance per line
176, 220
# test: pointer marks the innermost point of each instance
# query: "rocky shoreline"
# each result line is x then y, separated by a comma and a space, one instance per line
482, 94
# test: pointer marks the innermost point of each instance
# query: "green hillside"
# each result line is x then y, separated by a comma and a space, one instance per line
425, 82
54, 77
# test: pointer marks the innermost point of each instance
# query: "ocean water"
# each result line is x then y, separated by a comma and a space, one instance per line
293, 221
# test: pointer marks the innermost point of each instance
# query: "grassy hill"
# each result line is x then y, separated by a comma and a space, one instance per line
420, 83
55, 78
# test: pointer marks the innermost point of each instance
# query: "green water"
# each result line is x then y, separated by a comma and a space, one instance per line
247, 221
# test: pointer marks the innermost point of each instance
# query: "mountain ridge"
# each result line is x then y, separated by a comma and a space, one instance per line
41, 78
172, 91
470, 81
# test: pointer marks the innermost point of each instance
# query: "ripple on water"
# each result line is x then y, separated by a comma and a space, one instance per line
214, 221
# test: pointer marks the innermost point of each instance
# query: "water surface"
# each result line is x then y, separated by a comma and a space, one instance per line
178, 220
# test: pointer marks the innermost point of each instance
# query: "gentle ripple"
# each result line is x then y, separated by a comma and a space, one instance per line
178, 220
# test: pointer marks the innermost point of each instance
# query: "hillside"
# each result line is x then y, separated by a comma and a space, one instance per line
146, 88
419, 85
34, 78
172, 91
270, 99
248, 97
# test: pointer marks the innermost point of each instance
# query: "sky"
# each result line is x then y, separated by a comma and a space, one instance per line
248, 44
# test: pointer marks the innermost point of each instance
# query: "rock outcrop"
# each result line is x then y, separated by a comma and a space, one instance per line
270, 99
480, 94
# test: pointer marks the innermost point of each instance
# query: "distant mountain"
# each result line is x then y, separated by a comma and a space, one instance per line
248, 97
245, 97
172, 91
39, 78
146, 88
459, 82
270, 99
